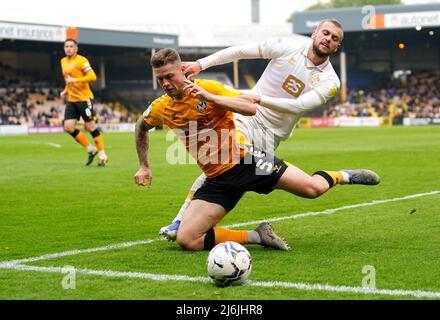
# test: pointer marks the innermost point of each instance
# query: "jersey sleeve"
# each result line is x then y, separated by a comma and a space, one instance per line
62, 66
85, 65
218, 88
274, 48
317, 96
153, 116
270, 49
248, 51
328, 88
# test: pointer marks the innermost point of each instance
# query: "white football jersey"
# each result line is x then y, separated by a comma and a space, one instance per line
290, 74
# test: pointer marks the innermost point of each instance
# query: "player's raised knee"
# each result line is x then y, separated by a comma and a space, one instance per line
187, 242
68, 128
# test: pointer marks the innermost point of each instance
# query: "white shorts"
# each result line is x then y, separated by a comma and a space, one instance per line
261, 137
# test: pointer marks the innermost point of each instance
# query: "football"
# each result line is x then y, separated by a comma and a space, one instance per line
229, 263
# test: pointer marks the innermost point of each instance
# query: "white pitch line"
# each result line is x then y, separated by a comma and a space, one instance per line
346, 289
266, 284
52, 144
55, 145
331, 211
135, 243
75, 252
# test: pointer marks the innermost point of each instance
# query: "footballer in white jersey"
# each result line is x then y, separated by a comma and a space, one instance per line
298, 78
289, 86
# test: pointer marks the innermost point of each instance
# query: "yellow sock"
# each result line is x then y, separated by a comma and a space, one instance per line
336, 176
223, 234
99, 141
82, 140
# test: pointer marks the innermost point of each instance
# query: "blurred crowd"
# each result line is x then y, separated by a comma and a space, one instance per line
43, 107
414, 96
33, 100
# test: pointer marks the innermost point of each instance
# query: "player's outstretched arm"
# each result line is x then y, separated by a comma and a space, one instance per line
250, 51
305, 102
142, 144
240, 104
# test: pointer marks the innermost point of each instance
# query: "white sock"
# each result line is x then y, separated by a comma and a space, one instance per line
345, 176
182, 210
253, 237
101, 154
90, 148
196, 185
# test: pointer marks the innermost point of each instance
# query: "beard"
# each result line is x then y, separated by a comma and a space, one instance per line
318, 51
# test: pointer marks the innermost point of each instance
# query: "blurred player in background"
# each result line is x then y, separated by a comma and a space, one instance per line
77, 74
298, 79
201, 110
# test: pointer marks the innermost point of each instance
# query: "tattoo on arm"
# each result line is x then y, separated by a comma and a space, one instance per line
142, 141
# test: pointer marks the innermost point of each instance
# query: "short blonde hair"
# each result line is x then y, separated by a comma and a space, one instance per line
164, 57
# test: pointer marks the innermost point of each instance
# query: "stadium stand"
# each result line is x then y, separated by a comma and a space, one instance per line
32, 99
414, 96
373, 56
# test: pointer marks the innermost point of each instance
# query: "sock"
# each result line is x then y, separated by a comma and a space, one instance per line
97, 137
90, 148
183, 208
218, 235
80, 138
253, 237
346, 176
74, 133
332, 177
196, 185
209, 241
223, 234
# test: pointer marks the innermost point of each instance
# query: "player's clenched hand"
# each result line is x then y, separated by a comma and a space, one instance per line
141, 175
193, 68
70, 79
196, 91
63, 94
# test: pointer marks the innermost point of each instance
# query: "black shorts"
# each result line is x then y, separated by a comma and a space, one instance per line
83, 109
259, 173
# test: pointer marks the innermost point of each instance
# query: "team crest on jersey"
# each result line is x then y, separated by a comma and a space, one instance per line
292, 60
314, 80
201, 105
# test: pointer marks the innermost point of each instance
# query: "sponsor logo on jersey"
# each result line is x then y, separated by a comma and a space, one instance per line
293, 86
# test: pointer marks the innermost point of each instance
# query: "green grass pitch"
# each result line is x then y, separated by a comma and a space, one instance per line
50, 202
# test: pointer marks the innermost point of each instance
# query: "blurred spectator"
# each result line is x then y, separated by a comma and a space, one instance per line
415, 96
33, 100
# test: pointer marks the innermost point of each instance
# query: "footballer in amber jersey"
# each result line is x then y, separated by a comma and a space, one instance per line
201, 126
77, 74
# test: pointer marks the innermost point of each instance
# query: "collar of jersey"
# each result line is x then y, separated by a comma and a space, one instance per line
320, 67
185, 98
